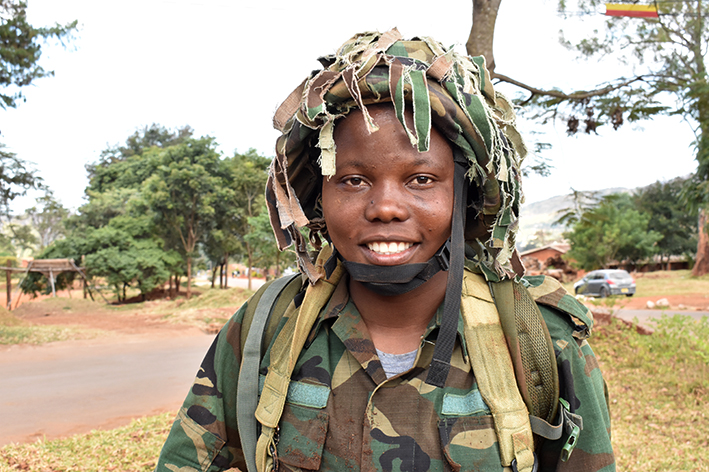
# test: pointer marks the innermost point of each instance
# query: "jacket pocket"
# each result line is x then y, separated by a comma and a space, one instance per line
302, 437
470, 443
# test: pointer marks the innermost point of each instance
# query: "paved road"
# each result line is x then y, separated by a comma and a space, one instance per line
644, 316
70, 388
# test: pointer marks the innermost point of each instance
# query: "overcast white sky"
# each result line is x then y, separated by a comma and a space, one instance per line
223, 67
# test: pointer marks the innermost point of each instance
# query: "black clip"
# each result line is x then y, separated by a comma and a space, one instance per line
443, 256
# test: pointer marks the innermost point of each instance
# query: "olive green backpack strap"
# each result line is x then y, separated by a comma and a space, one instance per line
533, 354
530, 347
284, 353
261, 318
495, 374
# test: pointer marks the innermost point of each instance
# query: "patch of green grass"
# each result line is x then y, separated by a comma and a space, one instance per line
132, 448
659, 386
670, 282
217, 298
43, 334
14, 330
212, 307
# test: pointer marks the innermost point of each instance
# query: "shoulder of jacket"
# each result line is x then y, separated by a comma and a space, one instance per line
547, 291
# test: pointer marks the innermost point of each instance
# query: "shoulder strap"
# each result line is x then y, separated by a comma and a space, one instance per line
493, 366
531, 348
256, 319
285, 350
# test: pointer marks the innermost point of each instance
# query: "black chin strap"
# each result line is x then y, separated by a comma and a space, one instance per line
440, 365
395, 280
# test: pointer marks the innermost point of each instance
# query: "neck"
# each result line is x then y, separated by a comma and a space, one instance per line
396, 323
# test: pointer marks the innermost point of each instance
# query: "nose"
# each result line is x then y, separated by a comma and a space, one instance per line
387, 203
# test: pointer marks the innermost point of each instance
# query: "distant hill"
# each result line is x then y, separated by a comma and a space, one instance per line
540, 216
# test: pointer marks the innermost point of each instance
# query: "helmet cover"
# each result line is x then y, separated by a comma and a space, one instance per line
443, 88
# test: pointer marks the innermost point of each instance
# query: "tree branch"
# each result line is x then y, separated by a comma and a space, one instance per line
567, 96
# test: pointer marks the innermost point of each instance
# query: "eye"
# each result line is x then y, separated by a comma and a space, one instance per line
422, 180
354, 181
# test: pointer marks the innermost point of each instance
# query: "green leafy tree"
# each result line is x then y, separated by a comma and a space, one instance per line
189, 181
15, 179
669, 217
123, 166
667, 55
21, 49
248, 173
612, 231
263, 243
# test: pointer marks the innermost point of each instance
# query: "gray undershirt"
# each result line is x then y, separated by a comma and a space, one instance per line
394, 364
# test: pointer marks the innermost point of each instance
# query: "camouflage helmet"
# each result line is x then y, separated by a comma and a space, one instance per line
444, 89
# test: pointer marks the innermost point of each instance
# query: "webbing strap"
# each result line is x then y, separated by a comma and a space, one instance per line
285, 351
494, 373
544, 429
247, 390
445, 341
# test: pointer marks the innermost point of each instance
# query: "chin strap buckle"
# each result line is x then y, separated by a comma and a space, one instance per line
443, 256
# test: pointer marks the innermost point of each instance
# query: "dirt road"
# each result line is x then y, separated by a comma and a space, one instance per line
74, 387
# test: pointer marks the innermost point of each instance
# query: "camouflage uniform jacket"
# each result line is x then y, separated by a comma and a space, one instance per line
342, 413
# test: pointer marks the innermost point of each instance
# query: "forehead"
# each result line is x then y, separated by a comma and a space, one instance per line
390, 141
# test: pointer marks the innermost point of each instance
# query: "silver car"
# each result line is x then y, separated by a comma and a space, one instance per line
601, 283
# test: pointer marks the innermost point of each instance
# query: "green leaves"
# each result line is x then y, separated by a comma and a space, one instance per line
21, 48
611, 231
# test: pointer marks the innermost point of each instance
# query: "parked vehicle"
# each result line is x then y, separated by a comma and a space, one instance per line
601, 283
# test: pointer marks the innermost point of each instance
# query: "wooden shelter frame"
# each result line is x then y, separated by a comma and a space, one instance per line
50, 268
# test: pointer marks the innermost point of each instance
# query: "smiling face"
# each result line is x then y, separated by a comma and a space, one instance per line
387, 204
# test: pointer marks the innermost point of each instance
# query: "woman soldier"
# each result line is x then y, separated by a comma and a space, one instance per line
412, 342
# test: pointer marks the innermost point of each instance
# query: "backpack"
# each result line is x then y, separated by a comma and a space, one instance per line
523, 330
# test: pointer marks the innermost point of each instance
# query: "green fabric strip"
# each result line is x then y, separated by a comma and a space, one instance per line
476, 110
397, 49
422, 109
464, 405
303, 394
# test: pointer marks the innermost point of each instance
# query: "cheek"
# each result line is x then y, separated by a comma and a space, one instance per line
436, 214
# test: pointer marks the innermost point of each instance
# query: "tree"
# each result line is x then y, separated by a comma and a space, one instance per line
611, 231
263, 243
21, 49
668, 52
47, 219
15, 179
115, 168
669, 217
189, 181
249, 175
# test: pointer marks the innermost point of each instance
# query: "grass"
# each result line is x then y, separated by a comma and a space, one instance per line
663, 283
212, 307
14, 330
132, 448
208, 309
675, 282
658, 386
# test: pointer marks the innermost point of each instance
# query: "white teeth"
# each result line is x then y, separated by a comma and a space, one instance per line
382, 247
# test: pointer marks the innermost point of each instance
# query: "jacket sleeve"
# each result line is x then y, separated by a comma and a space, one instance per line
582, 386
204, 436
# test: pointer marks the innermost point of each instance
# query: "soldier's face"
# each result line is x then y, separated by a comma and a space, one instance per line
387, 204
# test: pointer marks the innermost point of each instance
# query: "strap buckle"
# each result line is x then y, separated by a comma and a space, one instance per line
573, 424
443, 256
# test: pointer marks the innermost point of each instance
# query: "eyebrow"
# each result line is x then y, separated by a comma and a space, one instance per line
421, 161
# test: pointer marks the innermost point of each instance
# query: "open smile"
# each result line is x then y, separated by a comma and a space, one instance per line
387, 248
